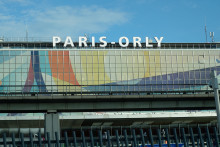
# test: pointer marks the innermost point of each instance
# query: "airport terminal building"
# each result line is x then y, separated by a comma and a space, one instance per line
39, 74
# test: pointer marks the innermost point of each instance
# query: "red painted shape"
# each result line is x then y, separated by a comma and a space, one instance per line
30, 79
60, 66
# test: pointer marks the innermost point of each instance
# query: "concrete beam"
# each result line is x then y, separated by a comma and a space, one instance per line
107, 103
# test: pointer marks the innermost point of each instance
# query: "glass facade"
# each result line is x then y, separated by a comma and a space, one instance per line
109, 70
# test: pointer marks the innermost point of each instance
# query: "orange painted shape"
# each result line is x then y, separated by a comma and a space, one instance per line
0, 82
61, 68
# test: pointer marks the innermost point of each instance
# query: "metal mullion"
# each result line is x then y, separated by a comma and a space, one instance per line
15, 80
133, 70
57, 71
172, 69
116, 67
138, 71
9, 72
45, 68
63, 70
193, 72
149, 63
145, 68
167, 86
68, 71
75, 68
121, 69
51, 78
87, 77
98, 71
178, 74
110, 70
161, 73
104, 71
184, 78
93, 81
3, 66
127, 72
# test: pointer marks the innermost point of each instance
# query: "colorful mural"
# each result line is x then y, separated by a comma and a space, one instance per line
105, 70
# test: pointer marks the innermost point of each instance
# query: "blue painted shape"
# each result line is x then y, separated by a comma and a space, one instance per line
34, 88
175, 81
45, 66
37, 71
218, 61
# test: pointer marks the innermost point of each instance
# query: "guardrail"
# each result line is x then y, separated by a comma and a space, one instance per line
46, 42
135, 137
140, 89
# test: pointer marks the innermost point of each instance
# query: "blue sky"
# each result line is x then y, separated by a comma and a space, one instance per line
175, 20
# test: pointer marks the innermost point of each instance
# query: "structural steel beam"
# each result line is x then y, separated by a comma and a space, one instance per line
106, 103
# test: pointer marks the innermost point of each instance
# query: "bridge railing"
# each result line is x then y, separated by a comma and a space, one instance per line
135, 137
141, 89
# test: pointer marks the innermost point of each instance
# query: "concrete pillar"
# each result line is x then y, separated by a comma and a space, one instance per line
51, 124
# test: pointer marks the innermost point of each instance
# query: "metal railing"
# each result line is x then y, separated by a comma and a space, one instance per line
26, 39
135, 137
46, 42
140, 89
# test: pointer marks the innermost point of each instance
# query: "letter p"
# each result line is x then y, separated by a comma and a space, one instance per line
56, 40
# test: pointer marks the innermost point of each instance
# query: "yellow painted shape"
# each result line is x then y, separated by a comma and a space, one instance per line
93, 66
152, 64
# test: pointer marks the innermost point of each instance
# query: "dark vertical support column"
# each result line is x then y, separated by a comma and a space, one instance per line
48, 139
216, 137
22, 139
91, 138
39, 139
142, 138
134, 137
83, 138
57, 139
168, 137
192, 137
66, 139
126, 137
151, 137
176, 137
74, 139
52, 124
208, 137
200, 137
108, 138
184, 137
100, 138
31, 140
4, 140
159, 137
13, 140
117, 138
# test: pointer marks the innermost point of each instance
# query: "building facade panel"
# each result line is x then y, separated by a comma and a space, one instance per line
81, 70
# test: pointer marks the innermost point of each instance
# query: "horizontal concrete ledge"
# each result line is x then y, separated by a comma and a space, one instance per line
84, 97
117, 115
99, 105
